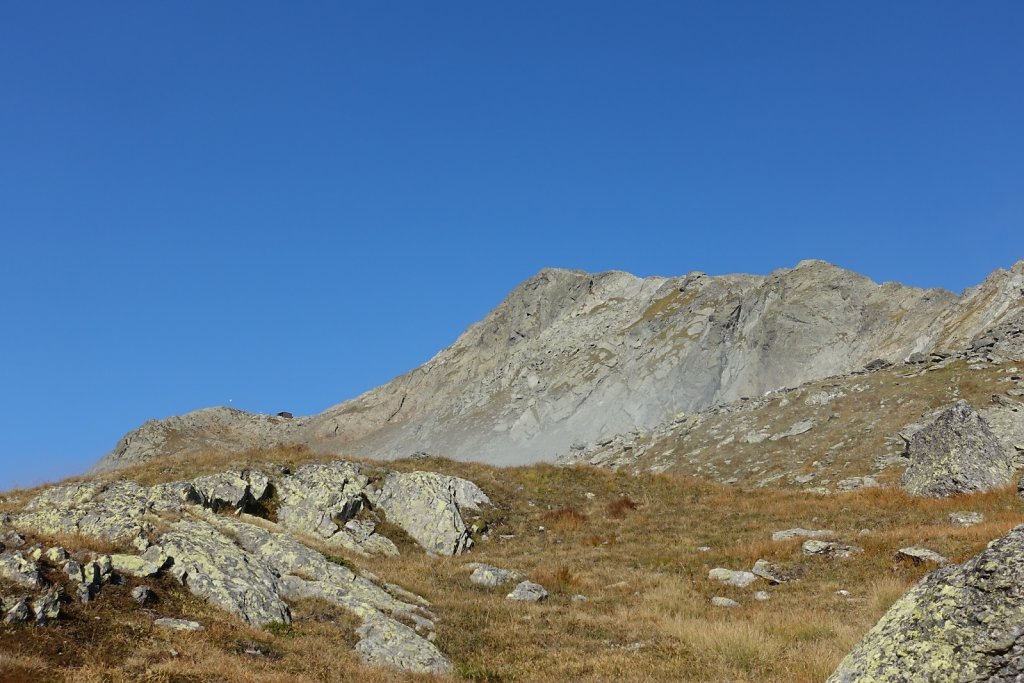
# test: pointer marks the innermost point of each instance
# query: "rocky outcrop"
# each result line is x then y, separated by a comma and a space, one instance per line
252, 567
571, 357
957, 453
960, 623
322, 500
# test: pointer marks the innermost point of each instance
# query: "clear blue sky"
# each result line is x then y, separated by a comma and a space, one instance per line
284, 204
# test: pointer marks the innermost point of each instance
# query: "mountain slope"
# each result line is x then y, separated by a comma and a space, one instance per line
569, 357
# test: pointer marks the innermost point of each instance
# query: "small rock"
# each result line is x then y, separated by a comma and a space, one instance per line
85, 593
56, 555
719, 601
178, 624
12, 539
579, 598
775, 573
855, 483
74, 571
47, 608
919, 555
762, 595
966, 518
739, 579
843, 593
143, 594
135, 565
830, 549
528, 591
487, 575
798, 532
21, 570
19, 613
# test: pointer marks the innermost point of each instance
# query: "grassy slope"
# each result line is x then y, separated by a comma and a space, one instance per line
647, 617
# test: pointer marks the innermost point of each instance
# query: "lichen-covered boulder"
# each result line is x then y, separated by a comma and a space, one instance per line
386, 642
960, 623
956, 453
427, 506
215, 568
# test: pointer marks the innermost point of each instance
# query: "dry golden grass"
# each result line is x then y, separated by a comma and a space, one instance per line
647, 616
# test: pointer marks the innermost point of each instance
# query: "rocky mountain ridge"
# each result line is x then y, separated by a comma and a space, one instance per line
571, 358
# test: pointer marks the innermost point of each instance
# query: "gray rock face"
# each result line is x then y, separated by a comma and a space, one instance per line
143, 595
46, 608
572, 357
957, 453
426, 506
528, 591
959, 623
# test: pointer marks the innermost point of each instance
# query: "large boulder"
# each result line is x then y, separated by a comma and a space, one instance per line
428, 505
960, 623
956, 453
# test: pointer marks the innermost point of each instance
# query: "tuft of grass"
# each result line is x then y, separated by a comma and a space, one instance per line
617, 509
566, 519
